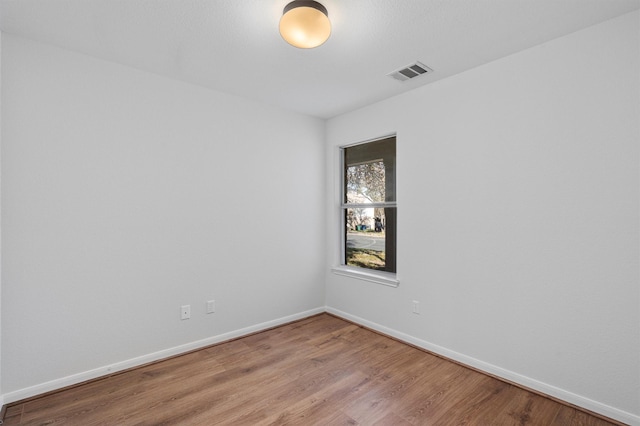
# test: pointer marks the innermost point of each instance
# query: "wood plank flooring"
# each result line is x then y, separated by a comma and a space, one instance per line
318, 371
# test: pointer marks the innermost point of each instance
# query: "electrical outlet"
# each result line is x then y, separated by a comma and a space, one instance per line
416, 307
185, 312
211, 306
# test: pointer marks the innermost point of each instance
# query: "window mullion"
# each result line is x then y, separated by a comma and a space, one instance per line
380, 205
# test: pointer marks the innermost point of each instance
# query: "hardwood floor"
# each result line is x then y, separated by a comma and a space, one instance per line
318, 371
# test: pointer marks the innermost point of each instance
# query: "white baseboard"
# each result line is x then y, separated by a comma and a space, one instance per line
74, 379
511, 376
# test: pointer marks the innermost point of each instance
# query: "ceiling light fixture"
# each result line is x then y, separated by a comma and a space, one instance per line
305, 24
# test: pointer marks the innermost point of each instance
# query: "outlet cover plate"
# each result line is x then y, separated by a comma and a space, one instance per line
185, 312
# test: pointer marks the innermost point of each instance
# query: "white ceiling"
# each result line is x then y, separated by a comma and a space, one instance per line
234, 46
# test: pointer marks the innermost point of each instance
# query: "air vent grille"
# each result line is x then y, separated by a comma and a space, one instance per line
410, 71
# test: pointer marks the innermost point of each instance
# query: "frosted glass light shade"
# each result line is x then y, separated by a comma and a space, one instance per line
305, 24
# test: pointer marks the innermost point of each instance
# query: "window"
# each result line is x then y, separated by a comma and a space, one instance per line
369, 205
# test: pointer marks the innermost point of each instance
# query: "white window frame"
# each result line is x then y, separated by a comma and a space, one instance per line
379, 277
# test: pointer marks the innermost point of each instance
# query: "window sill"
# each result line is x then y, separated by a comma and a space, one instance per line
384, 278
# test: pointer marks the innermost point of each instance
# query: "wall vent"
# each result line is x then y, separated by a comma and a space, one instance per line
410, 71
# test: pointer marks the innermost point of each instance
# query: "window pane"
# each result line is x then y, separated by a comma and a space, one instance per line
366, 183
370, 238
370, 172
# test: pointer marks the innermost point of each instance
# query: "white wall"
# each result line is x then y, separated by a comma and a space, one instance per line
517, 217
126, 195
1, 394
